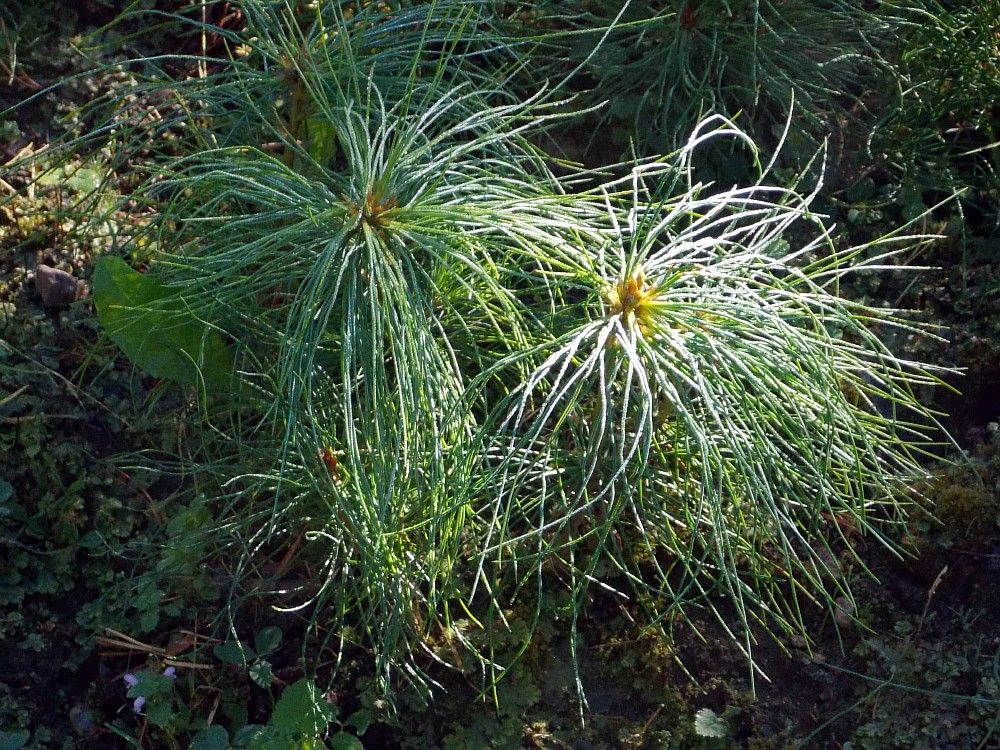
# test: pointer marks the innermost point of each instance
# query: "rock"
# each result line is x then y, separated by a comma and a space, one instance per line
845, 612
57, 288
83, 719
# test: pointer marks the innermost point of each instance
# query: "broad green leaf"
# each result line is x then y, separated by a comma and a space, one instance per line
152, 325
267, 640
232, 652
245, 735
360, 720
322, 139
302, 710
214, 737
345, 741
269, 739
260, 672
91, 540
160, 713
149, 620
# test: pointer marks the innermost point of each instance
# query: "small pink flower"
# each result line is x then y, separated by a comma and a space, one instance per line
131, 681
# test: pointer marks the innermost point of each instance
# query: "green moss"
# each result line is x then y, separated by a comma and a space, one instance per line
964, 499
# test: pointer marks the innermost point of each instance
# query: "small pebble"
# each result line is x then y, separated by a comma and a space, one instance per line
828, 563
844, 613
57, 288
83, 719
